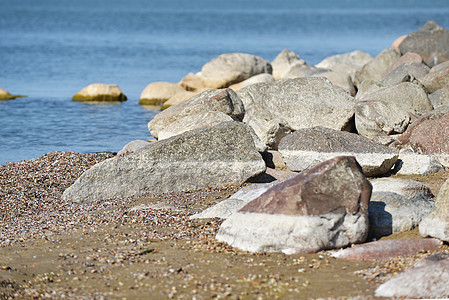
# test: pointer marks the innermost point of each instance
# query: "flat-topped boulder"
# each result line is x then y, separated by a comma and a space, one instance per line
325, 207
5, 95
437, 78
351, 62
224, 100
307, 147
431, 41
157, 93
100, 92
436, 224
407, 72
210, 157
230, 68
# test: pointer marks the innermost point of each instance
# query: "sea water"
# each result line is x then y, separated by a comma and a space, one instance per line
51, 49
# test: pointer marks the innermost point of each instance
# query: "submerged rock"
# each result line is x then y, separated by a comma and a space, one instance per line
5, 95
100, 92
325, 207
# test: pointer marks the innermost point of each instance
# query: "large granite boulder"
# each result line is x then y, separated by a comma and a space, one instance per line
191, 122
156, 93
428, 135
325, 207
339, 78
428, 279
375, 68
440, 97
5, 95
351, 62
410, 72
229, 68
264, 77
437, 78
211, 157
407, 58
273, 110
224, 100
431, 41
393, 213
389, 110
308, 147
100, 92
284, 62
132, 146
436, 224
405, 187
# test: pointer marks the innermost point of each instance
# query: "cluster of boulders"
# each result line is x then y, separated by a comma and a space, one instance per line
324, 128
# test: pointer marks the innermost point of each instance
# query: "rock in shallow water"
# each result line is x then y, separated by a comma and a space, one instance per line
325, 207
215, 156
100, 92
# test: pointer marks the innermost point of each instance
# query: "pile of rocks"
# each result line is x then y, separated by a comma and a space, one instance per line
348, 117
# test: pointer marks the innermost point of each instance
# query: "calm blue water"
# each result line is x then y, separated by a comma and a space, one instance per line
50, 49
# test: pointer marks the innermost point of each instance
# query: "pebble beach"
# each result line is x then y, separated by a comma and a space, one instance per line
148, 247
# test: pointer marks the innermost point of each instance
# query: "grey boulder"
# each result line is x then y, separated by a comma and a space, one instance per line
392, 213
376, 68
229, 68
405, 187
224, 100
437, 78
431, 41
325, 207
284, 62
307, 147
412, 163
273, 110
216, 156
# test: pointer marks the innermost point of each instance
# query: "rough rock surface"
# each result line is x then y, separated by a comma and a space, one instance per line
216, 156
323, 208
392, 213
177, 98
407, 58
291, 104
440, 97
339, 78
413, 72
229, 206
100, 92
131, 147
156, 93
229, 68
410, 163
224, 100
428, 135
374, 69
429, 278
437, 223
264, 77
352, 60
405, 187
431, 41
191, 122
307, 147
284, 62
437, 78
387, 249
